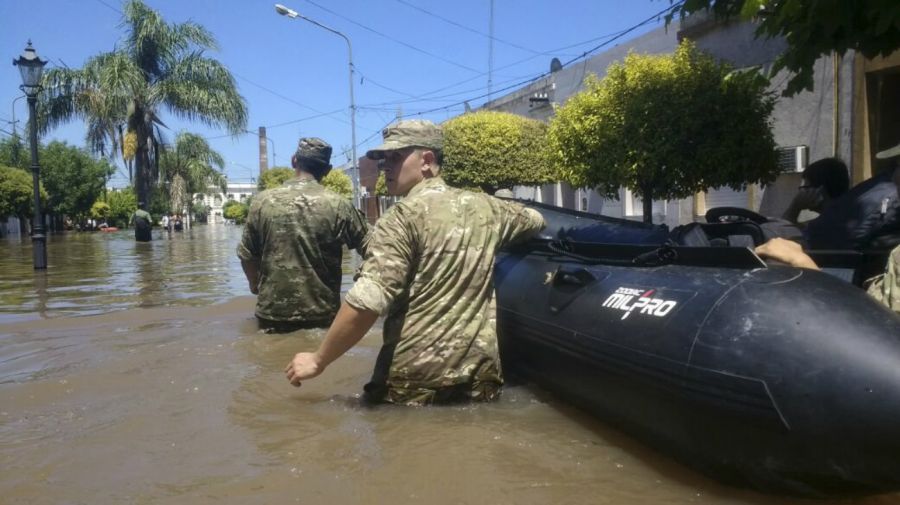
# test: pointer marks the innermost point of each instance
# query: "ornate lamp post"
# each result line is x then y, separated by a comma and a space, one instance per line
32, 67
284, 11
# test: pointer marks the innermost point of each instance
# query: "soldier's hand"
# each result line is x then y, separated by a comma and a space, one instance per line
786, 251
305, 365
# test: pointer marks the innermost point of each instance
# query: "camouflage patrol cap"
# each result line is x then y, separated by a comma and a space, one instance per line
313, 152
892, 152
409, 133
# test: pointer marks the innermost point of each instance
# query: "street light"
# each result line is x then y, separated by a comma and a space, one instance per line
32, 67
249, 170
284, 11
15, 146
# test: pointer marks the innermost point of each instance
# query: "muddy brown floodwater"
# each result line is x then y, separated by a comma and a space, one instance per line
134, 373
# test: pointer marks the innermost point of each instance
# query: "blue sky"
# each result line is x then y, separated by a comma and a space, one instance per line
414, 57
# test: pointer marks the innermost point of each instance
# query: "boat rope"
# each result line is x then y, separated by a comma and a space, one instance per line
663, 255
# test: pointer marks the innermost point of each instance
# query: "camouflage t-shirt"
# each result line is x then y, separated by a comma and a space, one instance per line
886, 288
296, 233
429, 265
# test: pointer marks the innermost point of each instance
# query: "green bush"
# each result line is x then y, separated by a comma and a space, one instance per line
122, 204
17, 193
274, 177
235, 211
666, 127
339, 182
492, 150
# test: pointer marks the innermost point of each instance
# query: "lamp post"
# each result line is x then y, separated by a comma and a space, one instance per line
249, 170
32, 67
284, 11
15, 146
274, 160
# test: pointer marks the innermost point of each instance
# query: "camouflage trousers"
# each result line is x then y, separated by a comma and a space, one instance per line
478, 391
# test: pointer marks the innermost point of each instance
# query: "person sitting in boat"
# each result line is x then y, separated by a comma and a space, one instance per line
885, 287
823, 181
429, 267
860, 218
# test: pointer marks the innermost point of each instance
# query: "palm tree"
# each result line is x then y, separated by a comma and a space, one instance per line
191, 167
159, 66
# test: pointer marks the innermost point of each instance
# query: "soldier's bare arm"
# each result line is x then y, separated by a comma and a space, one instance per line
348, 328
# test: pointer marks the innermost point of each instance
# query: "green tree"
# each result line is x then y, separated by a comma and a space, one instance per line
201, 211
14, 153
812, 28
381, 185
17, 193
666, 127
274, 177
192, 167
492, 150
159, 203
100, 210
339, 182
158, 66
73, 179
235, 210
122, 204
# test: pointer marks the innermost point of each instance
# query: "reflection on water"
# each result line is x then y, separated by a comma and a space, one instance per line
163, 392
93, 273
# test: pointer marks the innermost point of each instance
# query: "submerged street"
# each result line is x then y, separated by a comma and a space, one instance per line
134, 373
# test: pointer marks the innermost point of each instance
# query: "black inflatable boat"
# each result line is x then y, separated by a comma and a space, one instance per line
764, 376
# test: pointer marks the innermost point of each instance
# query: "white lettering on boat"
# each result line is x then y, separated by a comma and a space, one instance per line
621, 299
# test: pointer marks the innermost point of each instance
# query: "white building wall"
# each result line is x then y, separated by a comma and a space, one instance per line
215, 199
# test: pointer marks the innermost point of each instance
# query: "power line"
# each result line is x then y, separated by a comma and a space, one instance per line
275, 93
612, 39
583, 55
404, 44
289, 99
468, 29
110, 6
269, 127
424, 96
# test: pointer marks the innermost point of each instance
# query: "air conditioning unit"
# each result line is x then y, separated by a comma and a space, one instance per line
793, 159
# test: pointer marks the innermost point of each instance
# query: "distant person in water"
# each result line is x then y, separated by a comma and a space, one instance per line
142, 222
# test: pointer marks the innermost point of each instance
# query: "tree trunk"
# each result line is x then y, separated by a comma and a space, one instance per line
648, 206
142, 166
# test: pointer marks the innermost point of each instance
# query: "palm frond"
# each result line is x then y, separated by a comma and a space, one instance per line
202, 89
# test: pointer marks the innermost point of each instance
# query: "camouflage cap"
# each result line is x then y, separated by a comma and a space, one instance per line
409, 133
313, 151
889, 153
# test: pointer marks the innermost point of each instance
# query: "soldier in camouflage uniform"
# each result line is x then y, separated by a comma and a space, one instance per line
429, 267
292, 246
885, 288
